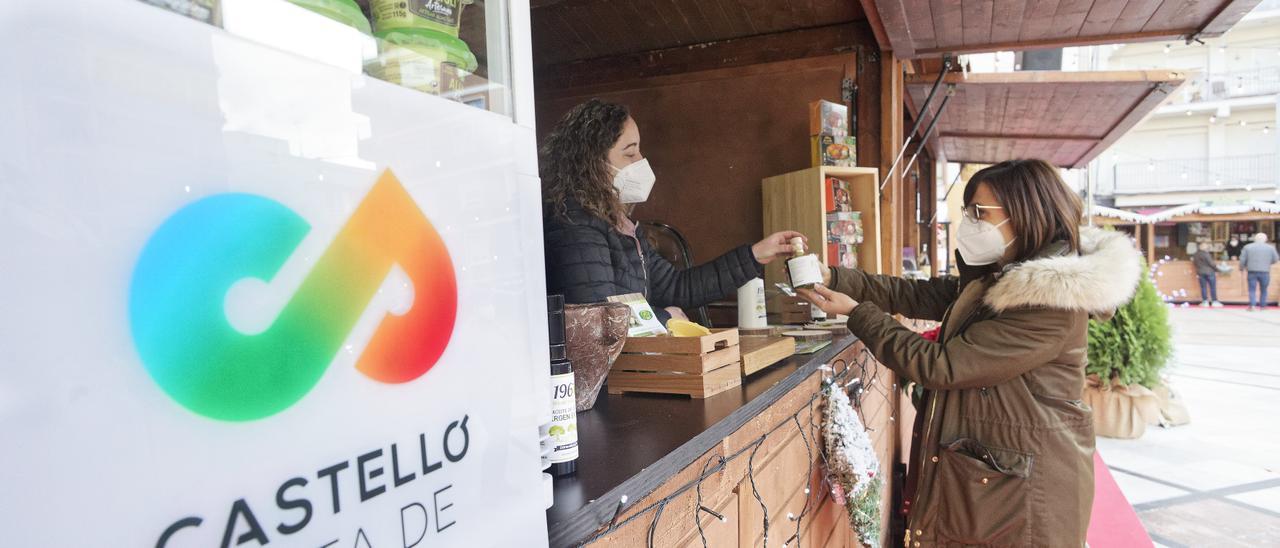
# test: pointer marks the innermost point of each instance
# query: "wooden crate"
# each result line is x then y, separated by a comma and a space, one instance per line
761, 352
700, 367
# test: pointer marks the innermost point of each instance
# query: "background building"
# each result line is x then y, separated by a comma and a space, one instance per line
1215, 140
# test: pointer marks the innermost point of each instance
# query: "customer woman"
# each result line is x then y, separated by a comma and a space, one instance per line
593, 174
1002, 451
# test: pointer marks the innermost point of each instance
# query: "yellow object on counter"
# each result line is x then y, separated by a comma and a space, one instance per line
682, 328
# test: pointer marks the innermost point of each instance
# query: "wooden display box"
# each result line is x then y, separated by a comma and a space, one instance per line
797, 201
761, 352
787, 310
700, 367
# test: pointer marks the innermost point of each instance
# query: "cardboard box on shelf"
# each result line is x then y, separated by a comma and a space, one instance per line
844, 227
829, 150
828, 118
842, 255
837, 195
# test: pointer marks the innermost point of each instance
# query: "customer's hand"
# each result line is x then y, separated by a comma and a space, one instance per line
831, 302
774, 246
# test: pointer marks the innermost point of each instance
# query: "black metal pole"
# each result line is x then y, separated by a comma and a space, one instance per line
929, 131
937, 84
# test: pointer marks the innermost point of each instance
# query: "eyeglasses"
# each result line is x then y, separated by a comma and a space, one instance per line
973, 212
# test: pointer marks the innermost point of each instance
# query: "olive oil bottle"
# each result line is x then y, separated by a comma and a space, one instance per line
805, 270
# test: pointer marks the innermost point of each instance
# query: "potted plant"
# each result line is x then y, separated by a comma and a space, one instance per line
1126, 354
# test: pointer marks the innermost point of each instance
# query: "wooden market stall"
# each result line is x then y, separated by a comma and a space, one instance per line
720, 91
1172, 236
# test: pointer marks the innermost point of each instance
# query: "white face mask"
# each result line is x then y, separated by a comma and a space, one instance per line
634, 181
980, 242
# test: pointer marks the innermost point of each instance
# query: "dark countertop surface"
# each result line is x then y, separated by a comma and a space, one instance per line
630, 444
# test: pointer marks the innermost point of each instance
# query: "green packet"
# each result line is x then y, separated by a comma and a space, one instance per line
644, 322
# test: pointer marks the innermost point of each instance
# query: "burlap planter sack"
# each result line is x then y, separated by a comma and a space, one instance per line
594, 336
1121, 411
1173, 412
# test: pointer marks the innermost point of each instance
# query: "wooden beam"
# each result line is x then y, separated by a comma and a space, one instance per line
1149, 36
891, 137
867, 108
1151, 244
1227, 17
782, 46
893, 19
877, 25
1052, 77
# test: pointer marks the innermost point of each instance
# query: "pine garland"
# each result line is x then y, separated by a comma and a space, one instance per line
852, 466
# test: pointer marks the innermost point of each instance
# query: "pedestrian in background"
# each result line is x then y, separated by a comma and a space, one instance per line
1207, 271
1256, 259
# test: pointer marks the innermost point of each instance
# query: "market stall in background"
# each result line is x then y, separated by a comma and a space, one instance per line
1170, 238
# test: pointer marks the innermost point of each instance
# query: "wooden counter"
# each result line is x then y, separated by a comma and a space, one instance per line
1174, 277
650, 446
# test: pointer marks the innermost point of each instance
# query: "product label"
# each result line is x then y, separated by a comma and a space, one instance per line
804, 270
564, 419
441, 15
408, 68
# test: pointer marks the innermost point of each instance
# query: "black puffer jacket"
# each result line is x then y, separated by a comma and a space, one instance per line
589, 260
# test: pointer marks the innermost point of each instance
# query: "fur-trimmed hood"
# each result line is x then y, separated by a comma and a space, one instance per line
1102, 278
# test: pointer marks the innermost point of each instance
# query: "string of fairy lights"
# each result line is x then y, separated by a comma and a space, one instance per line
865, 373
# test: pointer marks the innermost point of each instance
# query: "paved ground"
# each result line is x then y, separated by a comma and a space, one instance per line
1214, 482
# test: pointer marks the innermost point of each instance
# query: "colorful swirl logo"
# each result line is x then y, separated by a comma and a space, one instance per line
180, 283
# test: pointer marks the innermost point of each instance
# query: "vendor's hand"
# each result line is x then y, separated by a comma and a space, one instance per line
832, 302
774, 246
676, 313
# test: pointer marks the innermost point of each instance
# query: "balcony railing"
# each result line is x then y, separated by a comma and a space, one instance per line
1219, 86
1196, 174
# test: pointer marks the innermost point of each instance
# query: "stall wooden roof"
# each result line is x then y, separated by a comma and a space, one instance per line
1067, 118
925, 28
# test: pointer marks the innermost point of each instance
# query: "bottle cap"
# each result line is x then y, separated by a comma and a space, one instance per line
797, 245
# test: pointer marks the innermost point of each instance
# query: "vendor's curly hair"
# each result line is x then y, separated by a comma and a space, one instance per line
573, 161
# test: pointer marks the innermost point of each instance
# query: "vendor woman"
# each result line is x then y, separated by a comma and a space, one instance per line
593, 174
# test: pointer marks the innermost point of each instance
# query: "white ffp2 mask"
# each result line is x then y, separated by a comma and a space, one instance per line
980, 242
634, 181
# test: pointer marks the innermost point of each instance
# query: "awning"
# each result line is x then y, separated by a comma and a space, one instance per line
930, 28
1066, 118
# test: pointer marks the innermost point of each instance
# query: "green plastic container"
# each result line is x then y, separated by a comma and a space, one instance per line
429, 27
346, 12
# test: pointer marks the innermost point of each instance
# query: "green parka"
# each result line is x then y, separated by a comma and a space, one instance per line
1002, 449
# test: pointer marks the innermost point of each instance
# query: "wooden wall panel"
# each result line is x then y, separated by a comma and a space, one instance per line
782, 472
572, 30
711, 137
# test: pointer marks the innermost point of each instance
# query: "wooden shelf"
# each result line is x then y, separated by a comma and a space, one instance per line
795, 201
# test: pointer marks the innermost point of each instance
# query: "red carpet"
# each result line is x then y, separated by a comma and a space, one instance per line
1114, 523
